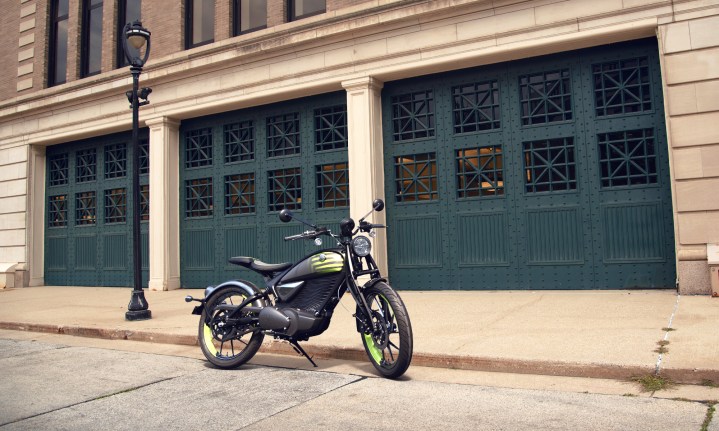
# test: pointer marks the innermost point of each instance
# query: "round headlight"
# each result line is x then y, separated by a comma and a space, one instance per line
361, 246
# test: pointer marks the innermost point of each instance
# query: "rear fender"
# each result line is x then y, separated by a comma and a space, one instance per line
212, 291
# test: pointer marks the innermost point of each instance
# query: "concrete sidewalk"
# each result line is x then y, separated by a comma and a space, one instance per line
610, 334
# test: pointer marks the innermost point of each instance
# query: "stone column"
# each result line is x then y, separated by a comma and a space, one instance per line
164, 203
36, 216
366, 156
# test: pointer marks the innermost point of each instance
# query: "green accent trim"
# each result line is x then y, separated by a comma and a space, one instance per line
372, 348
208, 340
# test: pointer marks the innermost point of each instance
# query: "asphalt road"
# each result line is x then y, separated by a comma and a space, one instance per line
57, 387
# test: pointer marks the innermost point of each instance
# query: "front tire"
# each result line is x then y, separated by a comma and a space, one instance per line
389, 345
219, 344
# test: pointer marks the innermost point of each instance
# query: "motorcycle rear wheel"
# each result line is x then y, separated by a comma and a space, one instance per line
218, 344
389, 346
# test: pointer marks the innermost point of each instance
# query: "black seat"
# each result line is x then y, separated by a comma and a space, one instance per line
259, 266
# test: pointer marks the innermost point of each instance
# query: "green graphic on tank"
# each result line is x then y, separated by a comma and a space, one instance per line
326, 263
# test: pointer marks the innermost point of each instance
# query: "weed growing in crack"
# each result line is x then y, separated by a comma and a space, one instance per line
653, 383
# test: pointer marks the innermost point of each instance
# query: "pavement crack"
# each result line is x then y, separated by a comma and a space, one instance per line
657, 368
88, 401
357, 380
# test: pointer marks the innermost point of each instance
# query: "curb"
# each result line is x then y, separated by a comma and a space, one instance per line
458, 362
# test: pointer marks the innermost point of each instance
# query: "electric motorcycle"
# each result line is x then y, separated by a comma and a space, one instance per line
298, 299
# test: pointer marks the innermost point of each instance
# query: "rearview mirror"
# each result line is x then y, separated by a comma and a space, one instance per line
285, 215
378, 204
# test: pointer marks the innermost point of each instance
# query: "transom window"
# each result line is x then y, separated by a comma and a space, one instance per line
85, 208
333, 186
331, 128
413, 115
416, 177
250, 15
622, 86
200, 22
283, 135
298, 9
239, 142
57, 211
59, 18
240, 194
550, 165
115, 161
198, 148
479, 172
545, 97
284, 189
476, 107
115, 205
91, 37
627, 158
198, 198
85, 165
127, 11
58, 169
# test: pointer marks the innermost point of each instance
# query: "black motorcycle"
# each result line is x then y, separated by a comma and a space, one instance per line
298, 299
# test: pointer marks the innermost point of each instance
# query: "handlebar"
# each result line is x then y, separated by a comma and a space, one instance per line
309, 234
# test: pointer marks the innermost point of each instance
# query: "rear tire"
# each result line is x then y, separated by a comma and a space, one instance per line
389, 346
219, 346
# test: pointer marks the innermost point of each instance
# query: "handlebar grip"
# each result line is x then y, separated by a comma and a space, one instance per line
294, 237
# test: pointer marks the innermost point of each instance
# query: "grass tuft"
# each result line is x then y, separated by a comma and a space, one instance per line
668, 329
708, 417
653, 383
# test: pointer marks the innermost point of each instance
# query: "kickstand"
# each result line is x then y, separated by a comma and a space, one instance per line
301, 351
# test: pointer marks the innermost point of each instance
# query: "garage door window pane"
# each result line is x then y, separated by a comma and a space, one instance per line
331, 128
58, 169
333, 186
476, 107
145, 202
57, 211
85, 165
283, 135
627, 158
239, 142
413, 115
416, 177
198, 198
198, 148
144, 145
479, 172
115, 161
240, 194
545, 97
115, 205
622, 86
550, 165
85, 208
285, 189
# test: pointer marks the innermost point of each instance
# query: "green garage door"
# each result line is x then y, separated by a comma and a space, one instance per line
546, 173
88, 212
239, 169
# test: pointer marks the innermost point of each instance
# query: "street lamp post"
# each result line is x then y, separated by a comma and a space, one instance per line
136, 37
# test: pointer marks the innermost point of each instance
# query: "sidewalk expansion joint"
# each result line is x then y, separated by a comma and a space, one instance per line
657, 368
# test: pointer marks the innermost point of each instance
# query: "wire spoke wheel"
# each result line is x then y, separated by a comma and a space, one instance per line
225, 343
389, 344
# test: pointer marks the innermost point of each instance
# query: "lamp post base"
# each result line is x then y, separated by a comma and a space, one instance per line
137, 309
138, 315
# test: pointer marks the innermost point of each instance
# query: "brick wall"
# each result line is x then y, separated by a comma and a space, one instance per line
165, 19
223, 19
10, 22
276, 12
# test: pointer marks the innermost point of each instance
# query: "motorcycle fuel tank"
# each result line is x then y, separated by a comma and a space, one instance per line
321, 264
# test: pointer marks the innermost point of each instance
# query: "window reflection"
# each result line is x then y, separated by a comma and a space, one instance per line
304, 8
250, 15
58, 43
200, 22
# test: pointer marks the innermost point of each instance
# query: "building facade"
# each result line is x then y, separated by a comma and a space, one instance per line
537, 144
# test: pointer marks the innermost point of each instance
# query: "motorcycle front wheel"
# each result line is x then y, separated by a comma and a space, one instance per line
389, 346
219, 341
